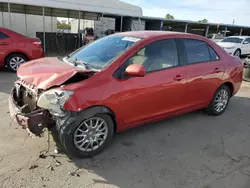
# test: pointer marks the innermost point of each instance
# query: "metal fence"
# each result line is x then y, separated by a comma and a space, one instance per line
60, 44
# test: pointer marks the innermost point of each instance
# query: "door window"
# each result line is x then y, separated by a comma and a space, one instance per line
3, 36
157, 55
197, 51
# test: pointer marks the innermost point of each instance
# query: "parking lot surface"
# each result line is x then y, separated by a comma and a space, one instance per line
192, 150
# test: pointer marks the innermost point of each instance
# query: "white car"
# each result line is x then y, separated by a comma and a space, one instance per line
216, 37
236, 45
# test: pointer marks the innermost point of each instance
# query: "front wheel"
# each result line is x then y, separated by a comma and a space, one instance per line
220, 101
88, 138
237, 53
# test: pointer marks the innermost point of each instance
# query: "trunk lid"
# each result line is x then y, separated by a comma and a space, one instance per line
48, 72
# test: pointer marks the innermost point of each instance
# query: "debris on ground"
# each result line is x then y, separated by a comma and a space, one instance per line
74, 174
33, 167
50, 168
57, 163
57, 150
42, 156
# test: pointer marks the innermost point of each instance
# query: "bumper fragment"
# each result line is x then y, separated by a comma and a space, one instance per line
35, 121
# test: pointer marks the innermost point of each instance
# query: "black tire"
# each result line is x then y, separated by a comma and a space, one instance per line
211, 110
22, 57
66, 135
237, 53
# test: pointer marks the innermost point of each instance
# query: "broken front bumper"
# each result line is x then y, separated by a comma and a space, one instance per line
34, 121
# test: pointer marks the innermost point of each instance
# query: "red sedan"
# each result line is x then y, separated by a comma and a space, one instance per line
120, 82
16, 49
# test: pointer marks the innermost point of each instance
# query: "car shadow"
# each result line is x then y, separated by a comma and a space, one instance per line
177, 152
7, 80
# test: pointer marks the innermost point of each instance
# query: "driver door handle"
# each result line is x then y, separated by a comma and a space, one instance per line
178, 78
217, 70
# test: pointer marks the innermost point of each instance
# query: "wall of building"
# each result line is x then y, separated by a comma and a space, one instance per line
34, 23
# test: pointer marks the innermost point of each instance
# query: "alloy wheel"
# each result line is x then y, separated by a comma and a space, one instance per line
221, 100
15, 62
91, 134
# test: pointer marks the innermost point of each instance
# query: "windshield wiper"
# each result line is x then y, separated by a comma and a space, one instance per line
86, 65
80, 62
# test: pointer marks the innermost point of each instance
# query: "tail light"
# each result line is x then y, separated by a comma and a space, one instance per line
38, 44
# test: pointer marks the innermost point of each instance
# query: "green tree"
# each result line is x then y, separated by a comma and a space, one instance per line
169, 16
62, 25
203, 21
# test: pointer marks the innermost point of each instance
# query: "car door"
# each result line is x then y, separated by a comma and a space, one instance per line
246, 46
5, 44
160, 91
204, 72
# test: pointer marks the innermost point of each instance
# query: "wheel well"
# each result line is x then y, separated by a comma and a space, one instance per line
15, 53
100, 110
237, 49
230, 86
112, 115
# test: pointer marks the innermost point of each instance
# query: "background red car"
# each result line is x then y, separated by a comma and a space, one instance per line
16, 49
123, 81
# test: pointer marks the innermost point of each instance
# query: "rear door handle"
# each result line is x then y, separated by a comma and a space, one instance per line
178, 78
217, 70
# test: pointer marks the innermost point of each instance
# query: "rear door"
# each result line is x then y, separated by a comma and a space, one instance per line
160, 91
246, 46
5, 45
204, 72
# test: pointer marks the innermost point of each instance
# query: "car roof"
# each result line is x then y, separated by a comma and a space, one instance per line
11, 33
152, 34
242, 37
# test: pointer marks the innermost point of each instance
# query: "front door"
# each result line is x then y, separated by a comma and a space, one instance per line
204, 71
160, 91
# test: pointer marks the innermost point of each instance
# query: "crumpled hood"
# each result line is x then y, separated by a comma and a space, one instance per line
47, 72
226, 44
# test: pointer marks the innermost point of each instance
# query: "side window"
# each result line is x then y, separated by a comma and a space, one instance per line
157, 55
197, 51
3, 36
248, 39
213, 55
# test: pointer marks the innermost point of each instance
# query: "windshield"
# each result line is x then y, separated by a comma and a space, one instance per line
232, 39
103, 52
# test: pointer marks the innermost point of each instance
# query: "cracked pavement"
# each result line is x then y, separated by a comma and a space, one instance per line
192, 151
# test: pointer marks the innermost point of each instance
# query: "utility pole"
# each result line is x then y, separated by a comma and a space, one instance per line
233, 21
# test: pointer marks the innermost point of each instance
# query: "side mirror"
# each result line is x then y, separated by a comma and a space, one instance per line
135, 70
246, 42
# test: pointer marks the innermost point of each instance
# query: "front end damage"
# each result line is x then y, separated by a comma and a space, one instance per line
35, 109
24, 110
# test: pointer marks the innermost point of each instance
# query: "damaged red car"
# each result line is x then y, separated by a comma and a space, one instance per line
120, 82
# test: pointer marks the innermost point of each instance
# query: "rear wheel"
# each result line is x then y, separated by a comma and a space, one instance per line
88, 138
220, 101
237, 53
13, 61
